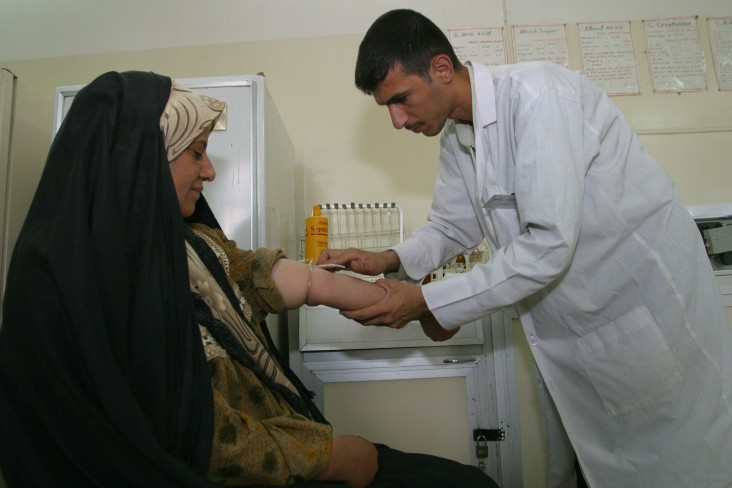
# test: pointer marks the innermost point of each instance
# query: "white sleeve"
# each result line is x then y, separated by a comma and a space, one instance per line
549, 168
451, 224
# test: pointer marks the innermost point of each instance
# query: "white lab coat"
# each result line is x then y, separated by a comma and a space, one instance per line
607, 270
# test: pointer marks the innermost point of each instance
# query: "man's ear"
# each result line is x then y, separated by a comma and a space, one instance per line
442, 68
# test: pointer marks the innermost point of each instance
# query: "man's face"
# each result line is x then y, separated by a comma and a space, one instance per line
413, 102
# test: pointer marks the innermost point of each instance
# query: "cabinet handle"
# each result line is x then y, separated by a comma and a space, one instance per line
458, 360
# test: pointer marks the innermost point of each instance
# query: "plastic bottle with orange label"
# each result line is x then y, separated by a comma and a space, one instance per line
316, 235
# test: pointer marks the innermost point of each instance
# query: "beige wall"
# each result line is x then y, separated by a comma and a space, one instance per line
334, 128
347, 151
414, 419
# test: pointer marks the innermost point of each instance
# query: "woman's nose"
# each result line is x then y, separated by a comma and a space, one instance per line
208, 173
398, 117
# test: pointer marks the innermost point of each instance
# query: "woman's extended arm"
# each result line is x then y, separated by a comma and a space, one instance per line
299, 284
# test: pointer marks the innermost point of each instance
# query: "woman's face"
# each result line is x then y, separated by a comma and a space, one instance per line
189, 171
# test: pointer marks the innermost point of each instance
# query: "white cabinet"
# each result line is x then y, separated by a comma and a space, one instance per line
253, 193
724, 280
478, 362
404, 374
324, 329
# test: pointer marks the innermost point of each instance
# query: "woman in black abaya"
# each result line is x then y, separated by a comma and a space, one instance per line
104, 377
102, 372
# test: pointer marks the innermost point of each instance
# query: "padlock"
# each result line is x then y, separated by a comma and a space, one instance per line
481, 447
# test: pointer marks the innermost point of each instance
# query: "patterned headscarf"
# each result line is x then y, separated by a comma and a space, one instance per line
186, 116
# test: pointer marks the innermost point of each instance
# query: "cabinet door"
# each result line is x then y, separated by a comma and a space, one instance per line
428, 400
231, 149
324, 329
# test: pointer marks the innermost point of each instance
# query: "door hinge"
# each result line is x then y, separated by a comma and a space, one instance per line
493, 435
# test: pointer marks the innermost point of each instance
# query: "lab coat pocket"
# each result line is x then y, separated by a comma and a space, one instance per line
629, 362
504, 218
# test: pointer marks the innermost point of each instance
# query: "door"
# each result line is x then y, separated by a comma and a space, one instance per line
435, 400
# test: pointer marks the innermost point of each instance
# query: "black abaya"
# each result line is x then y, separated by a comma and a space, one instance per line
103, 380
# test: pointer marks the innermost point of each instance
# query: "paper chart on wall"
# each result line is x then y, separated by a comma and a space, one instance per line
675, 55
720, 33
608, 58
541, 43
484, 45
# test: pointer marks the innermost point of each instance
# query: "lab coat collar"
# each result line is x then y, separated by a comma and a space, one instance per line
465, 134
484, 106
484, 114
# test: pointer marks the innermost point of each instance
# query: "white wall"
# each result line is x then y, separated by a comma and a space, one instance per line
50, 28
7, 97
346, 149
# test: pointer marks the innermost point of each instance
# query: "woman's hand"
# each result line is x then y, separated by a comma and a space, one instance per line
353, 460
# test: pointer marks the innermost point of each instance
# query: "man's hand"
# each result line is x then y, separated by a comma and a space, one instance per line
360, 261
402, 304
434, 330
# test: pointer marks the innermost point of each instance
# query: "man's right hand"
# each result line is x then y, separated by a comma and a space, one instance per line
360, 261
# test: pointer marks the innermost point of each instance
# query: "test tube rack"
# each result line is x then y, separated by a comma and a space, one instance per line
369, 226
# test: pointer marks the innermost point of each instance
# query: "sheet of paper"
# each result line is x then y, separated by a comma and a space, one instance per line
720, 35
675, 55
541, 43
484, 45
608, 58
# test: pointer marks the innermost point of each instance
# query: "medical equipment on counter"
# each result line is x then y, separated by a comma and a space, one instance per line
373, 227
369, 226
316, 235
377, 227
715, 225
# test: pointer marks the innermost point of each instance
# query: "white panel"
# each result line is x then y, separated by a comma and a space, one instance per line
232, 151
7, 97
488, 371
324, 329
724, 280
277, 169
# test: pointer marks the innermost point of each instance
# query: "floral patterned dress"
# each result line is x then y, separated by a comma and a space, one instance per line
266, 430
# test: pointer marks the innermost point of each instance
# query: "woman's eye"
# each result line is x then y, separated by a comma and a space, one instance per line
197, 154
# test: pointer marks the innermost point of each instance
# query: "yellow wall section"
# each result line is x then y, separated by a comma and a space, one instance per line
415, 415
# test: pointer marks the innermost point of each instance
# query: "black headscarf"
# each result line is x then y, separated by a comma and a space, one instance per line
103, 379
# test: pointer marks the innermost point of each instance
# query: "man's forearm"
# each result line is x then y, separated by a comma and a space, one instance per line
392, 261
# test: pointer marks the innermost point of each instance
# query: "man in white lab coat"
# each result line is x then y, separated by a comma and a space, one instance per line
589, 240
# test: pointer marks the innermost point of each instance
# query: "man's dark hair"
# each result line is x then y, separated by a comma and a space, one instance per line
403, 37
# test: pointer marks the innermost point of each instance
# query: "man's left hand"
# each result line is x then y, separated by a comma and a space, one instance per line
434, 330
402, 304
